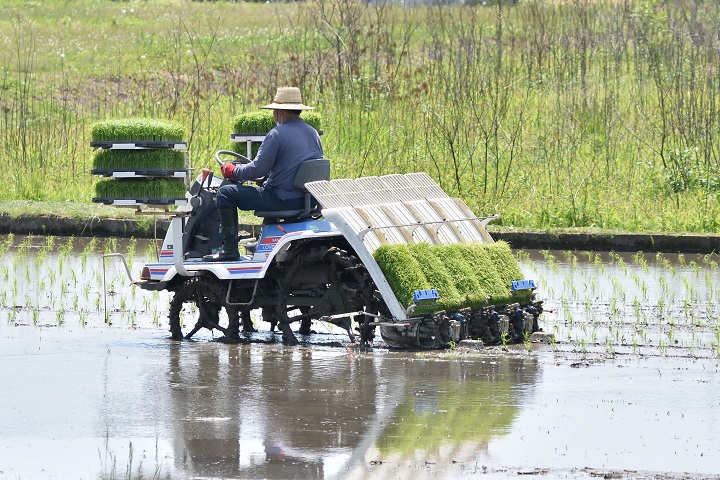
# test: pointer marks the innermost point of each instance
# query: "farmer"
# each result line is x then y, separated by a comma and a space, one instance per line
285, 147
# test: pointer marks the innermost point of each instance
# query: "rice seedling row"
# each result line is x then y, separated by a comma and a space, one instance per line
649, 304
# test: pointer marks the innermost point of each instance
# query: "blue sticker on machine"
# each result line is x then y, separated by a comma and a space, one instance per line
522, 285
425, 296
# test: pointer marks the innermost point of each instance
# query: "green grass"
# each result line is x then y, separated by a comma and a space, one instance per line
553, 114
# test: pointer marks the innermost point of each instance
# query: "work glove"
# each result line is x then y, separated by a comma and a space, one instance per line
227, 170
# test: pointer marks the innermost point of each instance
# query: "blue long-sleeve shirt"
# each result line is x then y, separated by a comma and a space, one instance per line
285, 147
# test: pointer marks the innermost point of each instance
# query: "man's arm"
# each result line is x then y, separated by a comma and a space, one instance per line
263, 163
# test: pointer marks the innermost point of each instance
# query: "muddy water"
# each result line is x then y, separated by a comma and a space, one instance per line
82, 397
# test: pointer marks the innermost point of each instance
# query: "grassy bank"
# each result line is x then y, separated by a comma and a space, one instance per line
584, 114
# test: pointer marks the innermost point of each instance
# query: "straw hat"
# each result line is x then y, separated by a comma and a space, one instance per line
287, 98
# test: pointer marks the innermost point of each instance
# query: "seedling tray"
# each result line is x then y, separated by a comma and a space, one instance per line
139, 145
139, 173
138, 202
247, 137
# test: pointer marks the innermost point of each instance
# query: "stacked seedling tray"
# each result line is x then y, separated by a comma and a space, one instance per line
249, 130
464, 274
142, 162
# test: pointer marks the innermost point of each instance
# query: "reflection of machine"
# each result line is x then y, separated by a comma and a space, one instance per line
277, 419
319, 262
319, 414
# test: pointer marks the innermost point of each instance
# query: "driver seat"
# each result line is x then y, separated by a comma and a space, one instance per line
308, 171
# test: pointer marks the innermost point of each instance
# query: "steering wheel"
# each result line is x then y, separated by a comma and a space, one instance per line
242, 159
239, 159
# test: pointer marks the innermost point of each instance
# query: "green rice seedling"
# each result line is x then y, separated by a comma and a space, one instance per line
401, 270
313, 118
640, 259
252, 123
39, 258
681, 260
463, 276
109, 245
6, 243
255, 123
474, 276
261, 122
570, 258
614, 310
501, 257
155, 188
139, 159
610, 348
138, 129
437, 275
522, 255
710, 260
695, 266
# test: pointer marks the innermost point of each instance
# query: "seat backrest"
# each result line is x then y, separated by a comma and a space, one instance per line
311, 171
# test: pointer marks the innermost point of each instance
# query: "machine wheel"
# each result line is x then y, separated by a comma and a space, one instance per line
350, 282
201, 298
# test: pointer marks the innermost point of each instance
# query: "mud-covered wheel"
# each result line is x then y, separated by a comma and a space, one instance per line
196, 304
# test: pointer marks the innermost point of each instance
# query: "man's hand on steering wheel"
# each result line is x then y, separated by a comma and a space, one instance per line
227, 170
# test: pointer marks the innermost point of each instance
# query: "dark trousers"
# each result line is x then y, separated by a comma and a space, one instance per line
246, 197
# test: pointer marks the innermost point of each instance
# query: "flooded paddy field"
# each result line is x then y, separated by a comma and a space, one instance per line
91, 387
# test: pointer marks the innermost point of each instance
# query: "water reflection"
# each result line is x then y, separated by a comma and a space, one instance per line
80, 395
249, 412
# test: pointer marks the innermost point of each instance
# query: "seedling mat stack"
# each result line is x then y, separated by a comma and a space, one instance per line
251, 128
148, 172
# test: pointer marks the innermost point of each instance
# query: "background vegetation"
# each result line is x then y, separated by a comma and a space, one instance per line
554, 114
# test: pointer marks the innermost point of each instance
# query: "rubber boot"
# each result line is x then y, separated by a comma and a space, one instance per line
229, 251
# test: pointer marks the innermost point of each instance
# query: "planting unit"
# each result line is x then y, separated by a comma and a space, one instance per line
337, 261
393, 254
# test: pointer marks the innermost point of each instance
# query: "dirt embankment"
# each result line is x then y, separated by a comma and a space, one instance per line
527, 239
